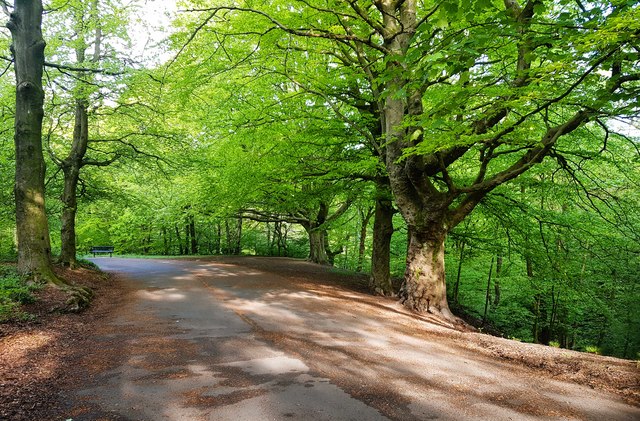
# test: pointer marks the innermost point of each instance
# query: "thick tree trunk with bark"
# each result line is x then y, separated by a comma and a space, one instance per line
380, 280
317, 246
424, 287
34, 247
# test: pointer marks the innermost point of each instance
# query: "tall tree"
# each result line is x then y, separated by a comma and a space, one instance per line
487, 87
75, 160
78, 84
34, 246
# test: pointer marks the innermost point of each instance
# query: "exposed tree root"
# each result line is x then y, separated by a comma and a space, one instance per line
379, 290
440, 311
71, 264
78, 297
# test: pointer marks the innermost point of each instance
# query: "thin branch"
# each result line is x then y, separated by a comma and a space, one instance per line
82, 69
301, 32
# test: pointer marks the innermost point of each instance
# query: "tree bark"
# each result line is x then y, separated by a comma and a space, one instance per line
34, 246
488, 294
317, 246
187, 236
424, 288
32, 226
179, 240
71, 169
380, 280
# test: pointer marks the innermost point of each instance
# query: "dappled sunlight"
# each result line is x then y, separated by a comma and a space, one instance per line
300, 295
167, 294
273, 365
230, 343
25, 343
370, 342
265, 310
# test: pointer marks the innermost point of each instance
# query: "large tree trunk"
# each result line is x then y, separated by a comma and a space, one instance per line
380, 280
317, 246
34, 246
424, 287
422, 205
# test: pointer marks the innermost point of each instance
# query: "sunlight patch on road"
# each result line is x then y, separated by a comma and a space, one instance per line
265, 311
273, 365
295, 295
169, 294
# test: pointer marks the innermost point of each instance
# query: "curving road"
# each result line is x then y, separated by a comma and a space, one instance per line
209, 340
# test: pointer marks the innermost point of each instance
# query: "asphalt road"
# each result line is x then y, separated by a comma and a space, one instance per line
203, 340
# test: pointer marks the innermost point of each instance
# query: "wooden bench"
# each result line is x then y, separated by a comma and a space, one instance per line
101, 250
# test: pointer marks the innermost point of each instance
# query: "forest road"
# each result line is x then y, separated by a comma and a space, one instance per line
222, 340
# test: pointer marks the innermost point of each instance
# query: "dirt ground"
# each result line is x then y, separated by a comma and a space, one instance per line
38, 357
43, 362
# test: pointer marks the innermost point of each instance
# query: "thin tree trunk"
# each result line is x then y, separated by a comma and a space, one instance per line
496, 282
488, 294
365, 217
165, 241
536, 321
179, 240
192, 233
74, 161
277, 236
68, 247
238, 243
269, 243
218, 237
227, 228
187, 234
285, 236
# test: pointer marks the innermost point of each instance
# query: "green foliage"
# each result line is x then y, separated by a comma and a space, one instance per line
252, 121
13, 293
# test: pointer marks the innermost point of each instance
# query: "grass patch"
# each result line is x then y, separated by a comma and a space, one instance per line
14, 292
88, 264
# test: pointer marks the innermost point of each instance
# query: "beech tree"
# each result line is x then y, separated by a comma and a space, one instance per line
494, 86
32, 227
86, 75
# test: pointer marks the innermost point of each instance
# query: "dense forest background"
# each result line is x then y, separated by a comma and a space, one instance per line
253, 130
